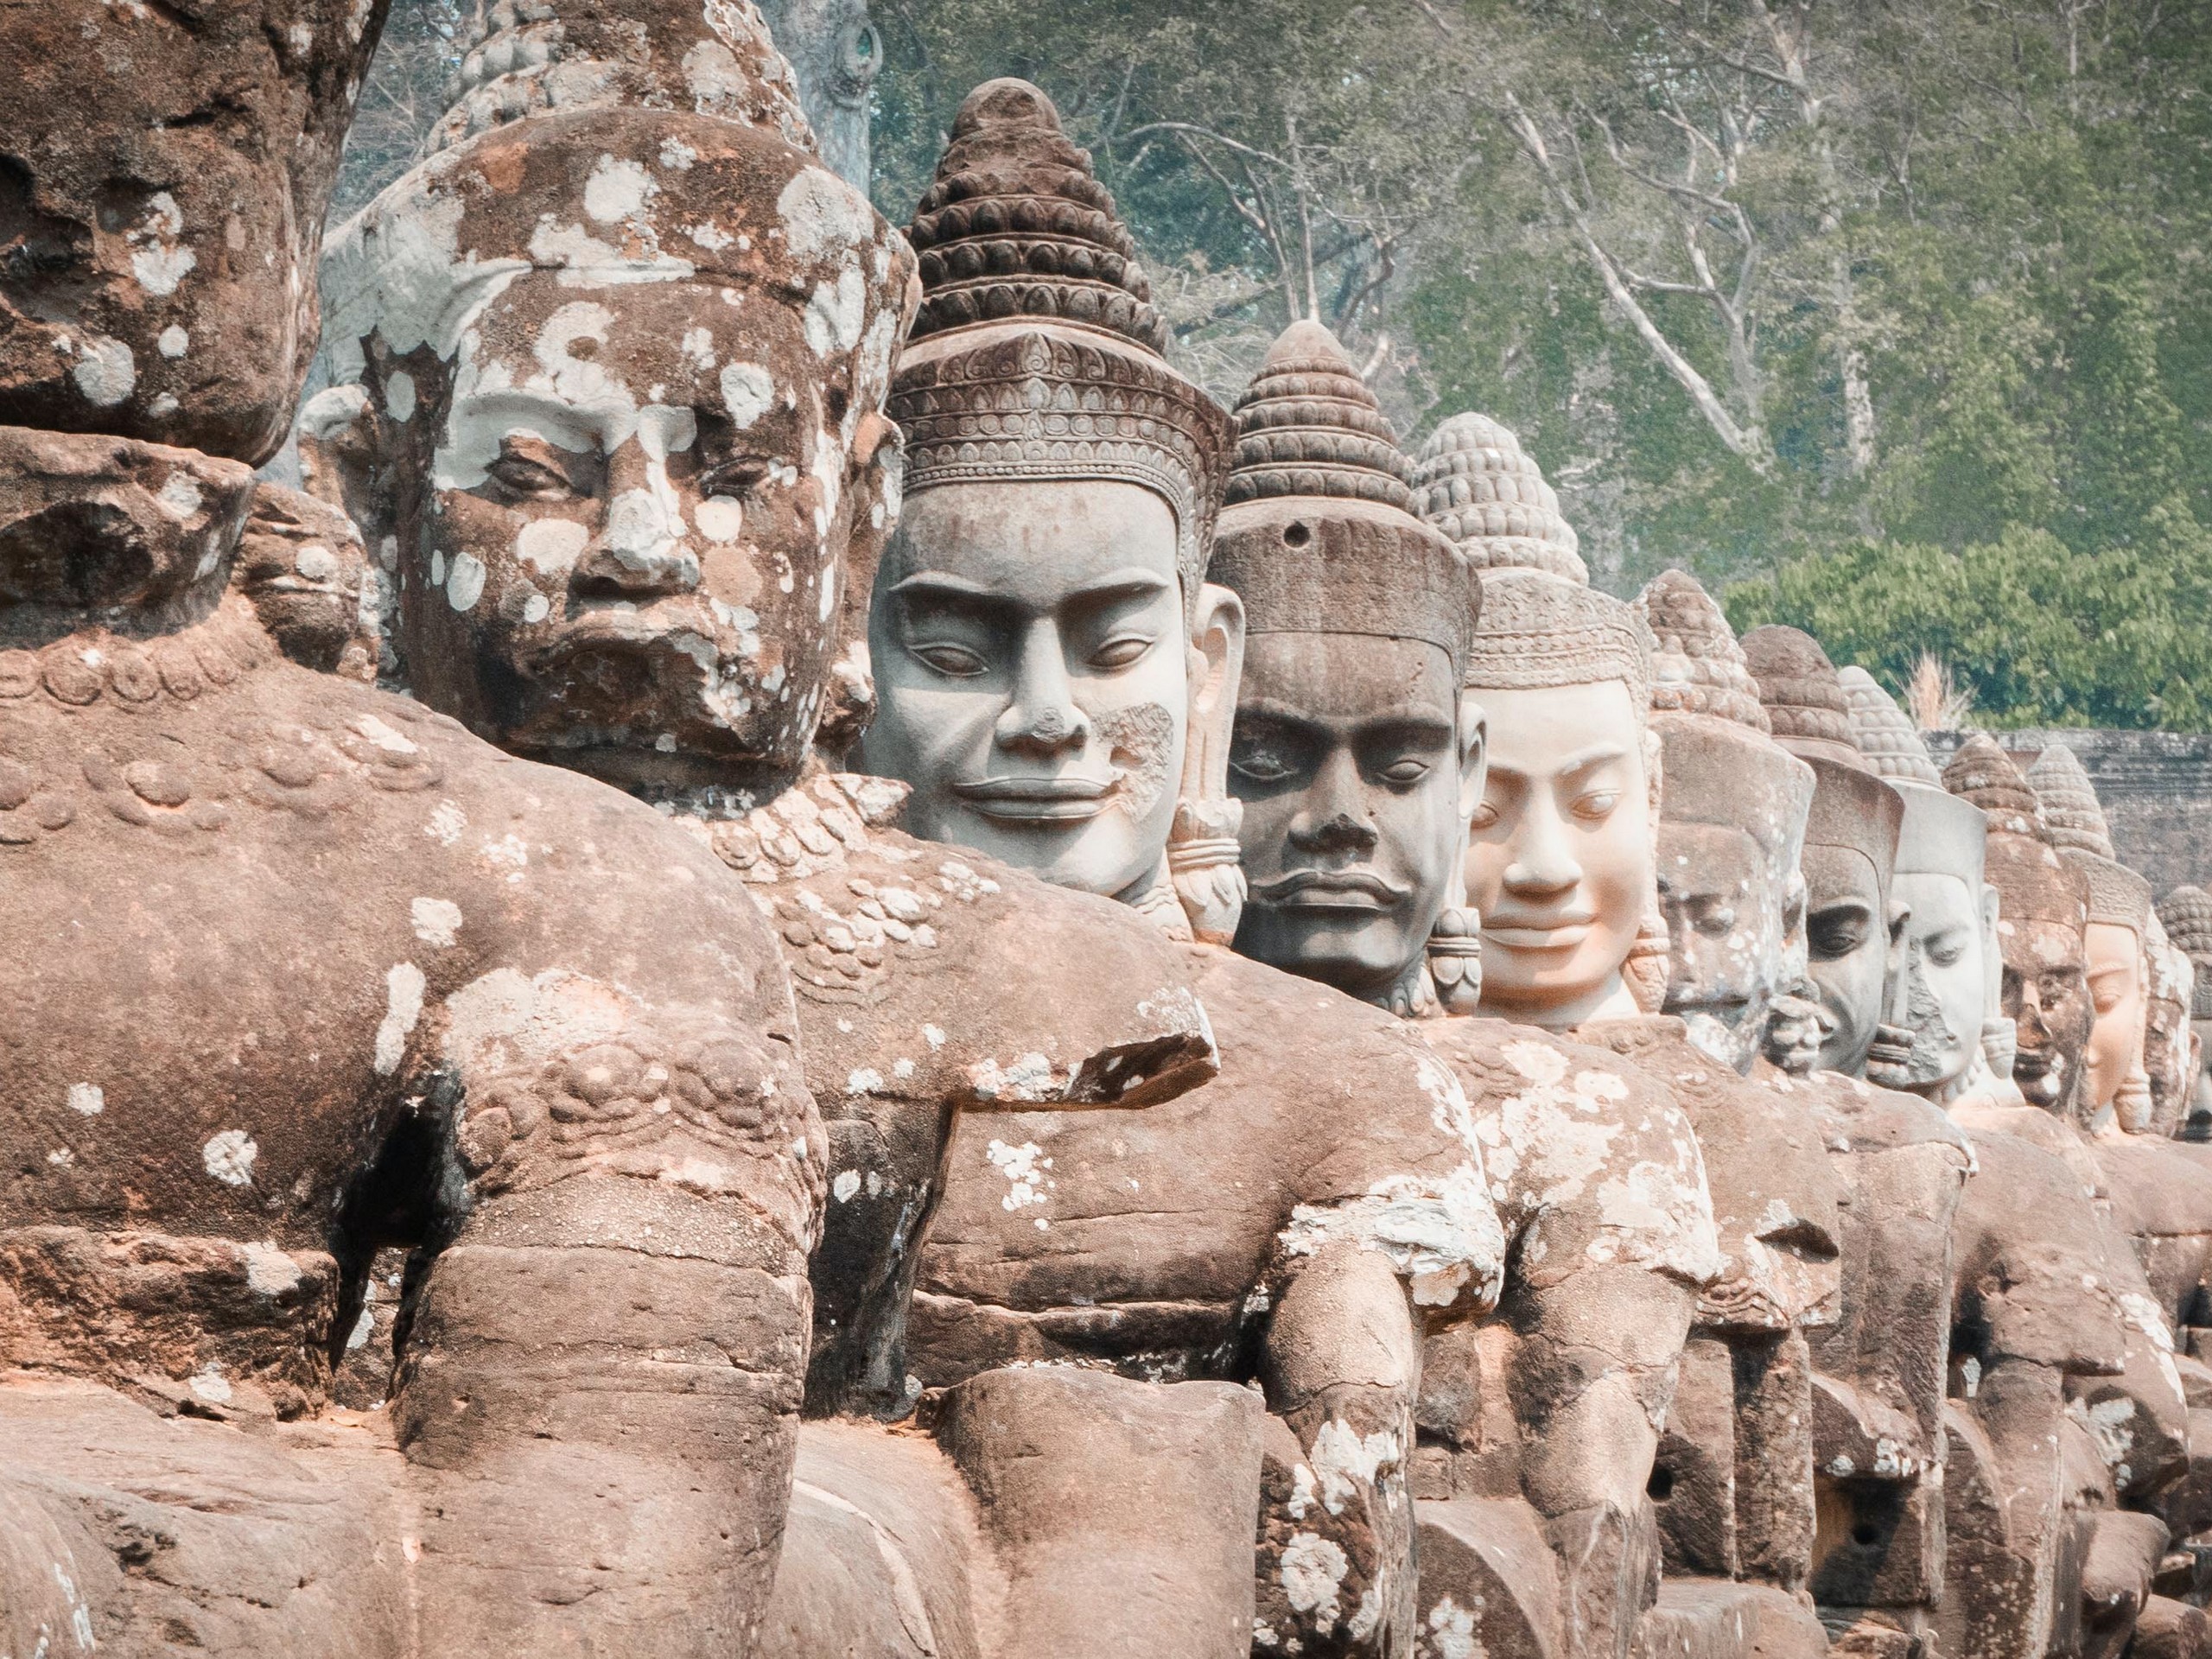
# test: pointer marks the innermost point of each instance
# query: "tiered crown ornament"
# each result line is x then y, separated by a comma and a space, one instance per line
1317, 538
2078, 830
1698, 666
1802, 694
2187, 913
1037, 352
1473, 482
535, 57
1889, 742
1984, 775
1542, 624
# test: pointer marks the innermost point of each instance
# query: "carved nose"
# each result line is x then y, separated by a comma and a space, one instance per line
1041, 720
1541, 862
641, 550
1340, 833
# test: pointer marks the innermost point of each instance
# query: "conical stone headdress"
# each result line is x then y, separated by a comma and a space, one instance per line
1698, 667
2117, 894
1473, 482
1885, 737
2187, 914
1984, 775
1803, 699
1037, 352
1542, 624
1316, 539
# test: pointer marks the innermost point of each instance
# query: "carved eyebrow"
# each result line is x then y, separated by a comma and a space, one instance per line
529, 414
1580, 760
943, 587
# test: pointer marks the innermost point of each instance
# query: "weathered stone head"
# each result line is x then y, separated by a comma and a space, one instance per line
162, 224
1352, 754
1055, 675
2171, 1054
606, 389
1731, 828
1940, 988
2042, 908
2186, 913
1851, 843
2114, 1080
1559, 849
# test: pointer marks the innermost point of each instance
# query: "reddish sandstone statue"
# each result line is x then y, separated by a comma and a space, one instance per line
302, 969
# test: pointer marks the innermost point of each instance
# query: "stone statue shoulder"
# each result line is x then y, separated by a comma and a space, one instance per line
1854, 1116
1591, 1161
1153, 1241
1776, 1204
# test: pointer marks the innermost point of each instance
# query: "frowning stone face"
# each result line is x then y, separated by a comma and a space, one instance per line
629, 556
1032, 673
1347, 756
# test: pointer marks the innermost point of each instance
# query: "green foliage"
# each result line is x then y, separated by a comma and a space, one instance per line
1992, 215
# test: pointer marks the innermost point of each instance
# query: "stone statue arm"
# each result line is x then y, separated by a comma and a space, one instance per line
599, 1387
1340, 1367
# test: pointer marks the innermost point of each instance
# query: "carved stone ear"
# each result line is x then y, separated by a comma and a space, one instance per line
1202, 851
1474, 759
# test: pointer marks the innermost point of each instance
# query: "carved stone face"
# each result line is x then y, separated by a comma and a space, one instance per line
628, 559
1848, 950
1348, 757
2168, 1050
1941, 992
2047, 996
1559, 852
2116, 989
1034, 675
1726, 919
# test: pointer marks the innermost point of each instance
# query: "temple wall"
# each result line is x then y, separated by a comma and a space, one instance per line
2156, 787
835, 50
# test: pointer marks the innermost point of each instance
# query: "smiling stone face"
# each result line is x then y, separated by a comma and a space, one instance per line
1558, 861
630, 554
1031, 662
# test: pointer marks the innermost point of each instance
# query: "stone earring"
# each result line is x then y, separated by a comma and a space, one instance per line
1455, 959
1205, 865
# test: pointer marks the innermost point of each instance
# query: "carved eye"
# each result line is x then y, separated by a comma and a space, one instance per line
1485, 818
1834, 936
1124, 651
519, 475
1406, 771
957, 661
1946, 955
1715, 922
1597, 806
737, 477
1258, 760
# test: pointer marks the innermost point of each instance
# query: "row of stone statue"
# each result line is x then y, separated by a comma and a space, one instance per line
951, 1003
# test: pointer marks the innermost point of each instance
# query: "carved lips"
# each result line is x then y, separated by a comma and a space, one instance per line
1038, 800
1351, 889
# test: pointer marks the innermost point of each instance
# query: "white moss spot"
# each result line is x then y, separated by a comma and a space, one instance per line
436, 921
229, 1156
87, 1099
175, 341
404, 988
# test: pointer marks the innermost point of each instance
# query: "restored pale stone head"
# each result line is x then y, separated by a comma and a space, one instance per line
1940, 989
1851, 843
1559, 848
608, 407
2043, 907
2187, 914
165, 180
2114, 1080
1731, 827
1055, 675
1351, 753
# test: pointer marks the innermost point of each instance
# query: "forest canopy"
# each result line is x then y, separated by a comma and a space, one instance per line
1887, 318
